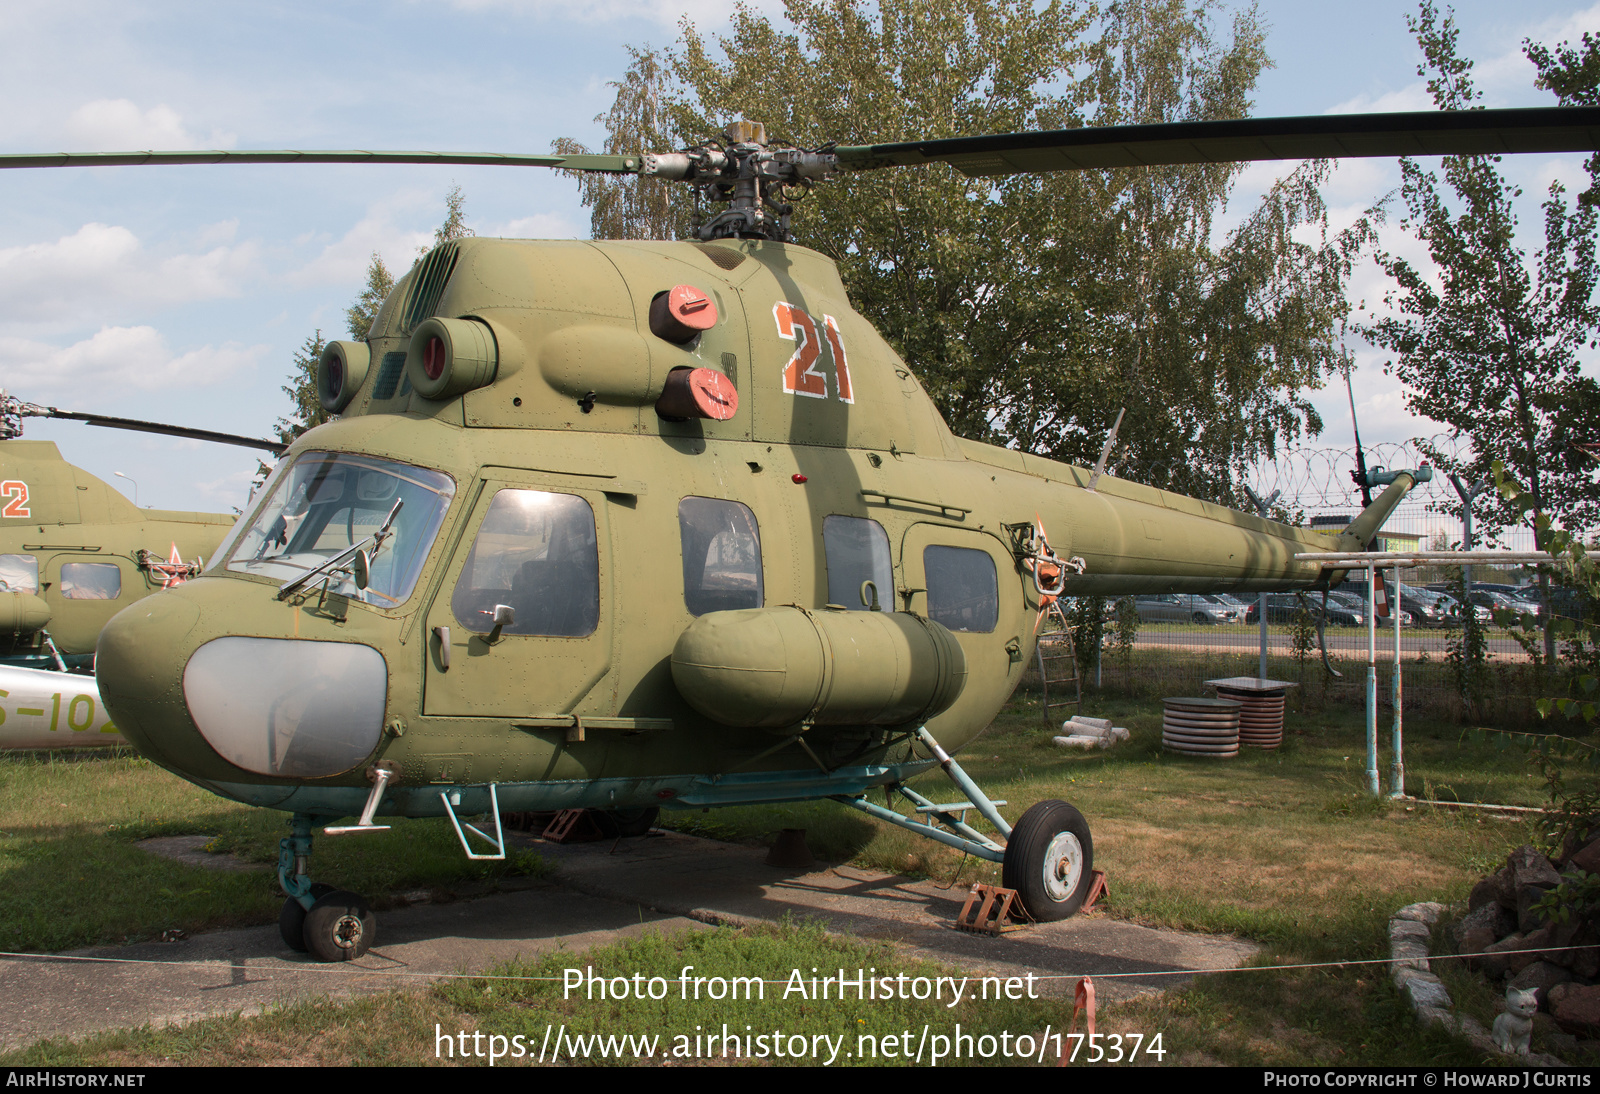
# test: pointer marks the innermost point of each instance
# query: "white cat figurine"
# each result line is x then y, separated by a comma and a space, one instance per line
1514, 1028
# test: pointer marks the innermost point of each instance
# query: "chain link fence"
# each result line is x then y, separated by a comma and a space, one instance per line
1168, 656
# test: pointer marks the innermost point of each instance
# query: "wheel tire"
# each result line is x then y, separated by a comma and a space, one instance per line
626, 823
339, 927
292, 919
1201, 617
1049, 861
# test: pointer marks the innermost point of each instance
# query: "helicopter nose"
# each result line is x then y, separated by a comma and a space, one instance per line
212, 707
139, 668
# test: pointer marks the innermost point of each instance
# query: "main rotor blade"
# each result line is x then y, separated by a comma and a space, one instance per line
277, 448
618, 165
1322, 136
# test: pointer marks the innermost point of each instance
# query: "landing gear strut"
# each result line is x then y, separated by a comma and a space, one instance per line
331, 924
1048, 858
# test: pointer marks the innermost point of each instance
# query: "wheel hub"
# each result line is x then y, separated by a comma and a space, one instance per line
1063, 866
347, 932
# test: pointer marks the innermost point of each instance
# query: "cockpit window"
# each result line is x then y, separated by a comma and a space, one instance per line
536, 552
329, 502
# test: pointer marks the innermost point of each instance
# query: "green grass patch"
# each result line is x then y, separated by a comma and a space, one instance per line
71, 873
1285, 848
518, 1010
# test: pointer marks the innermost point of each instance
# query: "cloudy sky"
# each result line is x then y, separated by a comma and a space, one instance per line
181, 293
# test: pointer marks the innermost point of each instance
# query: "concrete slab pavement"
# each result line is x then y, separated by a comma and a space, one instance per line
602, 892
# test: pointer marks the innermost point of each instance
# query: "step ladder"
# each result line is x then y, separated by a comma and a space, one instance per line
1058, 664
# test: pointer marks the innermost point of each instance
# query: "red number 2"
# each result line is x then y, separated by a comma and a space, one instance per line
17, 491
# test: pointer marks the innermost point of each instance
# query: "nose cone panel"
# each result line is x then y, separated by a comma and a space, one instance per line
287, 708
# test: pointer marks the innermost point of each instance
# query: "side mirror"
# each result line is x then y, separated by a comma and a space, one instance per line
361, 570
503, 615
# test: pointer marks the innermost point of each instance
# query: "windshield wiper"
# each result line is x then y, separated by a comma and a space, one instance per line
375, 540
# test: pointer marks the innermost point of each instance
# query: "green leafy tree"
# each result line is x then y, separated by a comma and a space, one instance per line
1033, 306
307, 411
305, 401
302, 391
380, 283
1574, 75
639, 120
1484, 340
455, 220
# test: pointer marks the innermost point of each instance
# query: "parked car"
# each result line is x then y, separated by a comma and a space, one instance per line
1285, 608
1492, 600
1425, 608
1565, 602
1183, 608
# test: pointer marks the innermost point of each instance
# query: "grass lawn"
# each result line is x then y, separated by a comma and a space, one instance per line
1284, 848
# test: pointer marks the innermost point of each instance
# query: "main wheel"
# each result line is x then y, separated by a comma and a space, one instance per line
1049, 861
339, 927
626, 822
292, 919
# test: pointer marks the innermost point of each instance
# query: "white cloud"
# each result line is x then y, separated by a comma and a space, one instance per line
113, 125
345, 260
1411, 97
103, 266
538, 226
231, 490
665, 13
125, 357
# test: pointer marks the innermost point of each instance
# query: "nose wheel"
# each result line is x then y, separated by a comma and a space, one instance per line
328, 923
339, 927
1049, 861
292, 919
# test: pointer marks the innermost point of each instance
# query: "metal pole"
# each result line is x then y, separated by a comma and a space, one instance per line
1261, 600
1372, 681
1467, 494
1397, 769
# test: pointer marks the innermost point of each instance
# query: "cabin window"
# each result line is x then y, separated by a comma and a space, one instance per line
19, 574
721, 556
857, 550
538, 553
963, 591
327, 506
91, 581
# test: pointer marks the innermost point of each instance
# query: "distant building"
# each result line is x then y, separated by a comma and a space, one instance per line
1399, 541
1387, 541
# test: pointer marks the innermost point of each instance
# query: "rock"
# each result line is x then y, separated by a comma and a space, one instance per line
1540, 976
1407, 928
1586, 858
1423, 989
1482, 893
1528, 897
1586, 962
1427, 911
1409, 953
1505, 891
1561, 936
1529, 867
1577, 1009
1483, 927
1496, 959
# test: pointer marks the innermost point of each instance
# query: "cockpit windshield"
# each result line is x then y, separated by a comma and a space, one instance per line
330, 502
